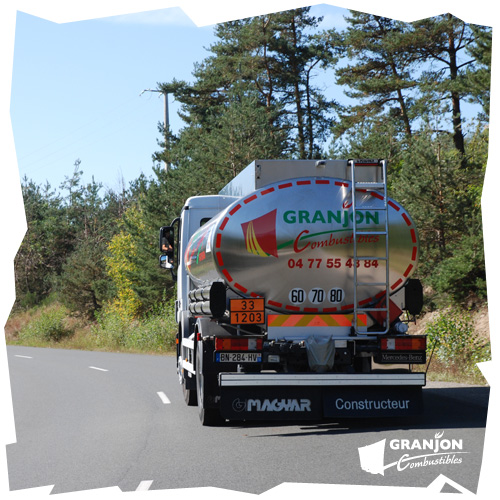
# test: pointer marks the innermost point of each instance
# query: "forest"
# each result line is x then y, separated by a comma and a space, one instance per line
396, 91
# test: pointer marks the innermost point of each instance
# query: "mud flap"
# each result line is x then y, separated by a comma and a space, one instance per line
315, 403
369, 402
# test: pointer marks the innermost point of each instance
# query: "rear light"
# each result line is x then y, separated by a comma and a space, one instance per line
411, 343
237, 344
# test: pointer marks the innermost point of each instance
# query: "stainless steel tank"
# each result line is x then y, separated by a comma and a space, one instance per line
291, 242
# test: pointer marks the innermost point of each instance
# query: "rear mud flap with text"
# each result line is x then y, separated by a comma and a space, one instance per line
314, 403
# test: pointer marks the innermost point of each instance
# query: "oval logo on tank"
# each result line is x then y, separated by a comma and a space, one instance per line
293, 244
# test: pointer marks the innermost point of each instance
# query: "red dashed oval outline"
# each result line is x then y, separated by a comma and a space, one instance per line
304, 182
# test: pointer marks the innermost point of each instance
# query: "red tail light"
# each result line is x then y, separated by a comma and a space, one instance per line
412, 343
237, 344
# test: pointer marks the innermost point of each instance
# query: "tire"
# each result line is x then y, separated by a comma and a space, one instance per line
208, 416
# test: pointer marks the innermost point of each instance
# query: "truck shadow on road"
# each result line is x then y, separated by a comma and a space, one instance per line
444, 408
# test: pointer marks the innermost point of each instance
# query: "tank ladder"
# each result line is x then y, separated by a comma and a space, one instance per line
379, 167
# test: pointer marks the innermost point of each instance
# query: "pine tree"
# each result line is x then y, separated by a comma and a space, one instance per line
444, 201
301, 50
381, 74
272, 61
443, 42
479, 76
45, 245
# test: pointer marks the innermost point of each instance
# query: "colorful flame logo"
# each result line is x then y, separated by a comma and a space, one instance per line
260, 235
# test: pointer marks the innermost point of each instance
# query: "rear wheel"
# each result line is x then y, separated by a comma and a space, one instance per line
208, 416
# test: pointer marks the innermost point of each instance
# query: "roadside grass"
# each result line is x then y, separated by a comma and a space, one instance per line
453, 345
154, 333
39, 326
438, 372
54, 326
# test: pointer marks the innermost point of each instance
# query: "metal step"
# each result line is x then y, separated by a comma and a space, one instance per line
372, 233
369, 185
367, 257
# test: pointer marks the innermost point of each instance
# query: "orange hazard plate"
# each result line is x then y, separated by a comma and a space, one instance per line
247, 311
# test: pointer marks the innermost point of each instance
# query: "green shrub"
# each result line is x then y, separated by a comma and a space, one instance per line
462, 276
154, 332
27, 300
111, 330
48, 326
453, 342
157, 330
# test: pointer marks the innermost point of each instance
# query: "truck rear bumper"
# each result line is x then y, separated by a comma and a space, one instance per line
320, 379
268, 396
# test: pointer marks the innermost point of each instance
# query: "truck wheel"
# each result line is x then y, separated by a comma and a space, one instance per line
208, 416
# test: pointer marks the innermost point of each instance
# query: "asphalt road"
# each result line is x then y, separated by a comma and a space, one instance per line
87, 420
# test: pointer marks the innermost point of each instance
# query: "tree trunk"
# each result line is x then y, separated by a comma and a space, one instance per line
297, 95
458, 136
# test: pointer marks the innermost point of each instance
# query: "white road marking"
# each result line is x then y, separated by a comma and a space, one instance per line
164, 398
144, 485
19, 356
100, 369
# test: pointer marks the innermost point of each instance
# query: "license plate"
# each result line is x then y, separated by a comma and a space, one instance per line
238, 357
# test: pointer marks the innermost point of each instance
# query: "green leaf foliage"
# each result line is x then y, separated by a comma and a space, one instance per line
63, 250
443, 199
451, 340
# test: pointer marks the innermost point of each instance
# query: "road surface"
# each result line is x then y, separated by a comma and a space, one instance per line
87, 420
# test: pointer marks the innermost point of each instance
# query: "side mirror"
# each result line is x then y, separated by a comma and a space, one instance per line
164, 263
167, 247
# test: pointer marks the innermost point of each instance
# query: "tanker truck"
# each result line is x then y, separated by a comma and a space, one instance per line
294, 295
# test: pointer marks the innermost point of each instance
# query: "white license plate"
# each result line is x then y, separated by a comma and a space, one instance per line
238, 357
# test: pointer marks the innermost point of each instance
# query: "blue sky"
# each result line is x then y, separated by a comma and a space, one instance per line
76, 90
